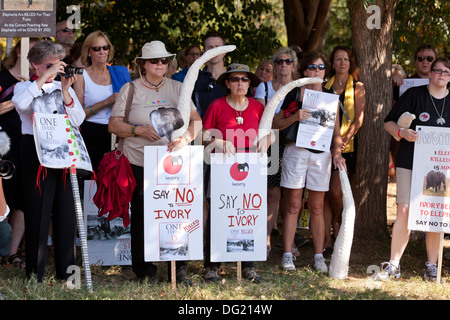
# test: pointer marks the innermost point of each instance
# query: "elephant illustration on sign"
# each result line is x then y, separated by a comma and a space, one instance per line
434, 179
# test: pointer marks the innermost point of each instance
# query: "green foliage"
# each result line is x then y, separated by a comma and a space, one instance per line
179, 24
418, 22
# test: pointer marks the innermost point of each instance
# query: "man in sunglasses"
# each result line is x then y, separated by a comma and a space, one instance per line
423, 58
65, 35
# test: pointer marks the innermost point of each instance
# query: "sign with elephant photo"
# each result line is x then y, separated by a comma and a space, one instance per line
238, 207
316, 132
430, 197
173, 203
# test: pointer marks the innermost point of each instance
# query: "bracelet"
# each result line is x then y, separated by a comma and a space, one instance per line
92, 111
398, 133
68, 105
133, 134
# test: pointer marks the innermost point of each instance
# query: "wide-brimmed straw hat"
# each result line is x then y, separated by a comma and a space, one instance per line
155, 49
237, 67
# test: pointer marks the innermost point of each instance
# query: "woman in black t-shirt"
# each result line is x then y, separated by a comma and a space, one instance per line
431, 106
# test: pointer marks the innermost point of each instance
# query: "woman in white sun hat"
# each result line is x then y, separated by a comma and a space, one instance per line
152, 91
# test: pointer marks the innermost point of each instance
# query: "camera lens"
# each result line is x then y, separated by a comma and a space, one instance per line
7, 169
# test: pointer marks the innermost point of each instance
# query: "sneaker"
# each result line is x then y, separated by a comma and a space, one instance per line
320, 265
430, 272
300, 241
287, 262
388, 271
182, 275
251, 275
211, 274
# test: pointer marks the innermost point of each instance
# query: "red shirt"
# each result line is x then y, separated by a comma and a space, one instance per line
221, 116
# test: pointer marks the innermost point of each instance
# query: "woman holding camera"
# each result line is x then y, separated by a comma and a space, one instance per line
49, 195
97, 89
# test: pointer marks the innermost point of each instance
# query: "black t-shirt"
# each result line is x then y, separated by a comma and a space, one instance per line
206, 90
10, 121
417, 101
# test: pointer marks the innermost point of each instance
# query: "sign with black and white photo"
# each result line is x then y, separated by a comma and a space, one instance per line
316, 132
173, 203
27, 18
238, 207
58, 144
429, 208
412, 82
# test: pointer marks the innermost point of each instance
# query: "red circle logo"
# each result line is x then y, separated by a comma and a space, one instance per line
239, 171
172, 165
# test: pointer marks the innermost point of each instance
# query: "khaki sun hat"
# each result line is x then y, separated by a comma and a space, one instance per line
237, 67
155, 49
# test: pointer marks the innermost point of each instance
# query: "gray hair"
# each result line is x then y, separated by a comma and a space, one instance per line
45, 49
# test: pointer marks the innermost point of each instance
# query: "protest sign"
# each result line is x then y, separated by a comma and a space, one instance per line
27, 18
316, 132
173, 203
109, 242
238, 210
58, 144
430, 202
412, 82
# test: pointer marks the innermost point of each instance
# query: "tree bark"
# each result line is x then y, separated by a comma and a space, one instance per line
373, 51
305, 22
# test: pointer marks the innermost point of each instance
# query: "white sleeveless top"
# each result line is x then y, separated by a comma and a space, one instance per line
94, 93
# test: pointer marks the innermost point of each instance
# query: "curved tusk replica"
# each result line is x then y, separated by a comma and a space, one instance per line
184, 101
342, 247
266, 120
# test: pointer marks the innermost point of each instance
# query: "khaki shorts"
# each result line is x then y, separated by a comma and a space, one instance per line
403, 179
301, 167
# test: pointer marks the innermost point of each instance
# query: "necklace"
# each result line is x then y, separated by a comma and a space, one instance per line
440, 120
239, 118
154, 85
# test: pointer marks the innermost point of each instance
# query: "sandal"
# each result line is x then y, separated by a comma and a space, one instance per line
16, 261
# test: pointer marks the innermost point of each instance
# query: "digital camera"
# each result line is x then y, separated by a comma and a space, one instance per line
7, 169
70, 70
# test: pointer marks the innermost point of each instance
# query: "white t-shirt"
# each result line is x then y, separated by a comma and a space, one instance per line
260, 93
94, 93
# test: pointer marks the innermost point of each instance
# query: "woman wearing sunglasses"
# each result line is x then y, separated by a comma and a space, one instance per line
285, 65
97, 89
226, 117
306, 167
351, 113
53, 200
431, 106
152, 91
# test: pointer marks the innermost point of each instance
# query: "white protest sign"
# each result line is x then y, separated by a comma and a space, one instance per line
238, 207
316, 132
58, 144
173, 203
412, 82
429, 208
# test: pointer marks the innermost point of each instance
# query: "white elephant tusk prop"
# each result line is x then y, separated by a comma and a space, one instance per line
184, 101
342, 247
265, 124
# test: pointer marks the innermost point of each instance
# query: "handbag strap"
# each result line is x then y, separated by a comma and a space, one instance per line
7, 92
120, 141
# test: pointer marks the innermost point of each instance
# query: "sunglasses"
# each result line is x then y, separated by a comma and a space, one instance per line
105, 48
313, 67
445, 73
429, 58
157, 60
67, 30
236, 79
287, 61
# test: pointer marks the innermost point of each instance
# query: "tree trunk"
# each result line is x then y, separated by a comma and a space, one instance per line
373, 50
305, 22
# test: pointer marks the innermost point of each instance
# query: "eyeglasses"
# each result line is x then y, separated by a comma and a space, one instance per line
429, 58
287, 61
445, 73
66, 30
236, 79
157, 60
105, 48
314, 67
